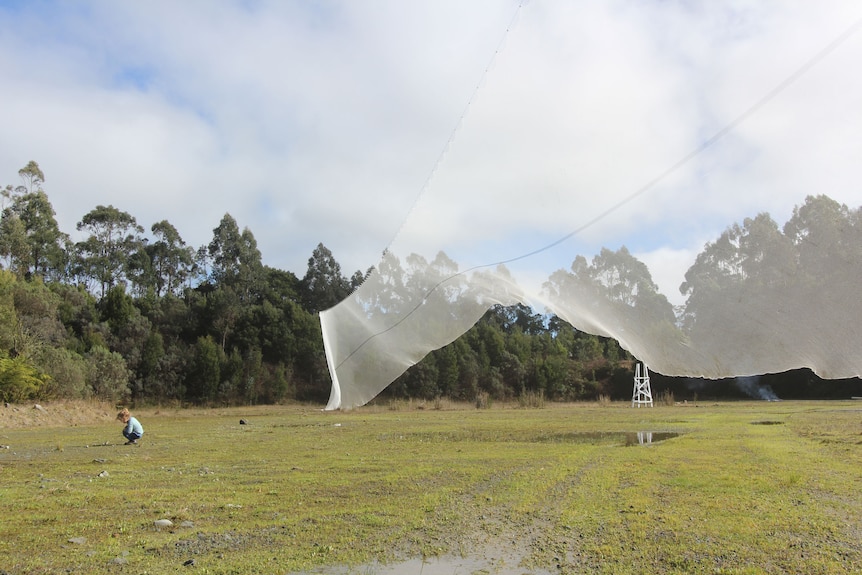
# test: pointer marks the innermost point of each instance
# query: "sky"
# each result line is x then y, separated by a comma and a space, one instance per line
497, 125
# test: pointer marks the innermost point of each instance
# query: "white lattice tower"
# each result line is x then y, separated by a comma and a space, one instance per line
642, 394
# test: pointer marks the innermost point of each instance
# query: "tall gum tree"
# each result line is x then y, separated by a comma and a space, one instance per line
323, 285
170, 257
236, 259
30, 238
103, 256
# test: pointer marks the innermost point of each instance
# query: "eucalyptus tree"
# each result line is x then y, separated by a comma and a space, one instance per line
826, 237
272, 320
199, 273
236, 260
739, 268
204, 373
437, 280
13, 243
170, 258
140, 272
49, 247
9, 322
32, 176
231, 293
225, 250
626, 280
30, 238
114, 237
387, 296
616, 282
739, 292
358, 278
323, 285
519, 317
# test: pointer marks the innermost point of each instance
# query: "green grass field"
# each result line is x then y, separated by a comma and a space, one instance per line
747, 487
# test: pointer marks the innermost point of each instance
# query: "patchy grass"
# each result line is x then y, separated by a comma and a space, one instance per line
299, 489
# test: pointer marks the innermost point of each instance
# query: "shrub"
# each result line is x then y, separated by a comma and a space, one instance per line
67, 371
534, 399
19, 380
666, 398
483, 400
108, 374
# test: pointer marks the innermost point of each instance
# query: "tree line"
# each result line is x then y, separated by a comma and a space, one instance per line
127, 317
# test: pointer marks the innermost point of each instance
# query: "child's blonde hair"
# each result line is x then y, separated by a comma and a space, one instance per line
124, 415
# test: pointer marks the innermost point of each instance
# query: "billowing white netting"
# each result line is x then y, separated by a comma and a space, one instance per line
691, 193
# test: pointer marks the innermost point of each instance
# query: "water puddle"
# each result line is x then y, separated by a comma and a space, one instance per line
431, 566
648, 437
626, 438
609, 438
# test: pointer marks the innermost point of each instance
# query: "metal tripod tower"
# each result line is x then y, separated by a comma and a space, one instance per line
642, 394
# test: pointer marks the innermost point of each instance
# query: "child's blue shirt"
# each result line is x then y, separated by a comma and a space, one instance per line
134, 426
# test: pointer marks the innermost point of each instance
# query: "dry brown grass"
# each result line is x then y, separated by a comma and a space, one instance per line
65, 413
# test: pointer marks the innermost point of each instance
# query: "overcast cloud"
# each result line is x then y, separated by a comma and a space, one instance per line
323, 122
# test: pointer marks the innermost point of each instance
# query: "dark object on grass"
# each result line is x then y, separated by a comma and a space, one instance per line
189, 563
243, 422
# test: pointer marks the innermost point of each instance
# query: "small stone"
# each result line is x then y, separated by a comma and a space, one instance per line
40, 408
119, 560
103, 474
159, 523
243, 422
78, 540
187, 524
189, 563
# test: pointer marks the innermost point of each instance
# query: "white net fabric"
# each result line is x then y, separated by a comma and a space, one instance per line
685, 193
